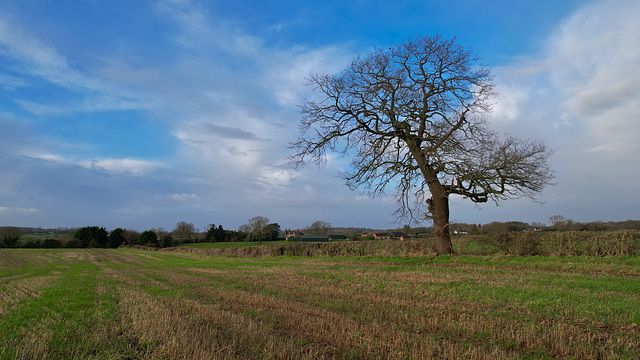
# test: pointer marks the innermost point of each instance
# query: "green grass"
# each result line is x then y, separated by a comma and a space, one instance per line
119, 304
66, 309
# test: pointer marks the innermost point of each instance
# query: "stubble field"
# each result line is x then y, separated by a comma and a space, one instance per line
136, 304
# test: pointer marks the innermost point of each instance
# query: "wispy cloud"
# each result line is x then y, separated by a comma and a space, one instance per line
37, 59
199, 31
223, 72
32, 58
5, 210
581, 94
184, 197
288, 70
109, 165
212, 117
122, 165
10, 82
203, 132
87, 105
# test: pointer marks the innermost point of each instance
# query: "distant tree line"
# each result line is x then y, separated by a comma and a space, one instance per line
556, 223
261, 229
61, 230
258, 229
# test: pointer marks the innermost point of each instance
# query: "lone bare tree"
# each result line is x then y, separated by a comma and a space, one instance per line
319, 228
184, 231
556, 220
258, 226
411, 117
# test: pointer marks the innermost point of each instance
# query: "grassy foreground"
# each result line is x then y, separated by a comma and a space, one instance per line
131, 304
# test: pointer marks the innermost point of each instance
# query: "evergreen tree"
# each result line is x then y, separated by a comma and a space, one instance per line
149, 238
92, 236
116, 238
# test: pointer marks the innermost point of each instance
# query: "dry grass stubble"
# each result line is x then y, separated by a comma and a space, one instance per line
179, 328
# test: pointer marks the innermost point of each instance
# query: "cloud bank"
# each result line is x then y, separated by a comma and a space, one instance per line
194, 123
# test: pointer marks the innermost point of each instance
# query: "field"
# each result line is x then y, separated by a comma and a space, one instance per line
130, 304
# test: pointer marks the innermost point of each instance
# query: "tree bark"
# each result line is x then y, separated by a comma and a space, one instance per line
438, 206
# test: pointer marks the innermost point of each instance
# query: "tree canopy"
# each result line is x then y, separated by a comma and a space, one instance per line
9, 236
116, 238
149, 238
319, 228
92, 236
411, 118
184, 232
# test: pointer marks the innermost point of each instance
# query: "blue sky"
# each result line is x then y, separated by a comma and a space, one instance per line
141, 114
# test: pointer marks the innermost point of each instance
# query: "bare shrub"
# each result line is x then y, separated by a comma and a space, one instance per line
521, 244
624, 243
571, 243
562, 244
618, 243
501, 241
526, 244
338, 248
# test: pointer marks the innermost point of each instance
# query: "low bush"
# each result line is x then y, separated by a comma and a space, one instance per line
614, 243
570, 243
51, 244
618, 243
73, 244
514, 243
32, 244
338, 248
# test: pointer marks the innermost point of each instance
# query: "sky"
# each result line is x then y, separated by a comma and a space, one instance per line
141, 114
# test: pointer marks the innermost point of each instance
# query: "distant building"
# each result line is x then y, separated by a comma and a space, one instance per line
308, 238
289, 233
391, 235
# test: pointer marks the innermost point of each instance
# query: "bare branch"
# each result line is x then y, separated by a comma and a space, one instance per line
411, 118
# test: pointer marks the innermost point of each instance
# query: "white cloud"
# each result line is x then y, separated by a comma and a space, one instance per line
184, 197
36, 59
200, 33
47, 157
231, 96
599, 49
508, 107
110, 165
276, 177
581, 95
121, 165
10, 82
6, 210
236, 117
217, 147
92, 104
39, 59
288, 70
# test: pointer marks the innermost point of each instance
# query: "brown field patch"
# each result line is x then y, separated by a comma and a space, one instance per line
19, 289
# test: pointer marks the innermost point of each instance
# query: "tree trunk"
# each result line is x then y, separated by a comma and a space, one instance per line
439, 208
438, 204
